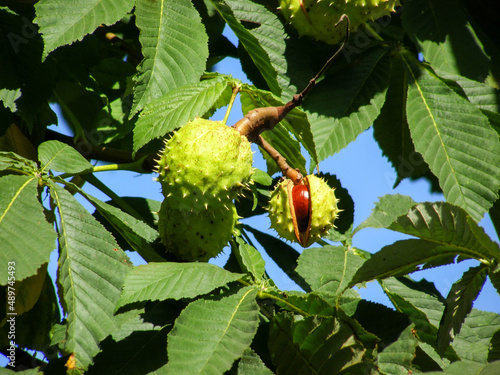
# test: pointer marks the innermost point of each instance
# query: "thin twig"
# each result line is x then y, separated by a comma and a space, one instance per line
261, 119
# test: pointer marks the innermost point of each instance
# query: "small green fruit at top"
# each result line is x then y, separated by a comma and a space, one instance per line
304, 212
196, 235
205, 164
317, 18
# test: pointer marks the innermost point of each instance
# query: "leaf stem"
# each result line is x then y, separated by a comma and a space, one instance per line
373, 33
136, 166
236, 90
264, 295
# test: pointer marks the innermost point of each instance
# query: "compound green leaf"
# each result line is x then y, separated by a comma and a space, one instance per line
328, 269
91, 272
174, 45
209, 335
313, 345
457, 142
60, 157
459, 303
161, 281
64, 22
26, 238
177, 107
346, 103
230, 11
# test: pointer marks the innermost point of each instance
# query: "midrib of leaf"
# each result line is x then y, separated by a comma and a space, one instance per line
438, 132
89, 304
229, 322
23, 186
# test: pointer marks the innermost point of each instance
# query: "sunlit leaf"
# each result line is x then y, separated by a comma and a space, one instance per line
160, 281
91, 272
176, 108
174, 45
63, 22
457, 142
60, 157
208, 336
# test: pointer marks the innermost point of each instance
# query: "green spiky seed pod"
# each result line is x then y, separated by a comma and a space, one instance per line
196, 236
303, 213
204, 164
317, 18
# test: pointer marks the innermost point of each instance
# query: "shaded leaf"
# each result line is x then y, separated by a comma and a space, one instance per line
314, 345
160, 281
459, 303
391, 130
347, 102
446, 38
464, 367
14, 162
91, 273
423, 305
174, 45
60, 157
77, 21
250, 363
22, 213
208, 336
33, 327
442, 126
176, 108
397, 357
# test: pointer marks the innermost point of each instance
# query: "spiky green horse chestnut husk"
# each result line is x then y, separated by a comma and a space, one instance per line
196, 236
204, 164
323, 210
317, 18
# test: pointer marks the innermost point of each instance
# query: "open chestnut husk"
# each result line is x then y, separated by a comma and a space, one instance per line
303, 212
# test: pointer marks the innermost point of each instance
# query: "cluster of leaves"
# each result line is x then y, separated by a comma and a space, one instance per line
125, 74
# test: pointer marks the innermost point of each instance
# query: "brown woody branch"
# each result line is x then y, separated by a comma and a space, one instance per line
289, 172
